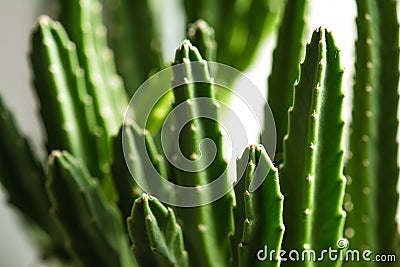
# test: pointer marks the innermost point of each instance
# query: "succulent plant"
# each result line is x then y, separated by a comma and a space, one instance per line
94, 201
372, 169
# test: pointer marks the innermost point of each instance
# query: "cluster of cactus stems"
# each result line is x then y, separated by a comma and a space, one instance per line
86, 209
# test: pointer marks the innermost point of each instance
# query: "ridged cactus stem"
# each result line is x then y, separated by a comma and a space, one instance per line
239, 26
313, 153
372, 196
137, 51
260, 18
157, 237
202, 36
206, 237
299, 146
125, 185
328, 217
285, 68
83, 22
23, 178
130, 163
94, 227
258, 213
387, 172
360, 193
210, 12
66, 107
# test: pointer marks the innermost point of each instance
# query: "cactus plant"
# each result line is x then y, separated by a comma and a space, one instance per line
94, 199
372, 169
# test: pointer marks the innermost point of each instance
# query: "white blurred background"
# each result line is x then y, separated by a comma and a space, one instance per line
17, 19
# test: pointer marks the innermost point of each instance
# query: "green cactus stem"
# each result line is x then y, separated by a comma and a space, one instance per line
125, 185
94, 227
328, 216
372, 168
23, 178
202, 36
285, 68
206, 237
157, 237
134, 39
296, 172
83, 22
239, 26
315, 131
258, 213
361, 164
387, 172
135, 158
61, 90
67, 108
